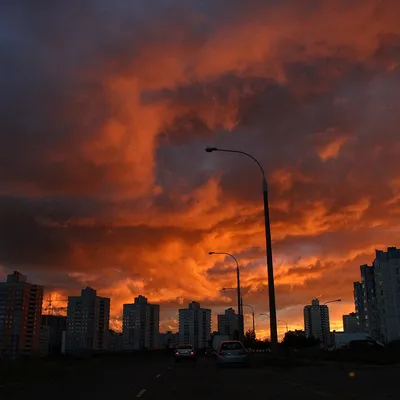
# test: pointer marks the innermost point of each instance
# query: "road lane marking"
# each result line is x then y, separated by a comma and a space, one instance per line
141, 393
158, 375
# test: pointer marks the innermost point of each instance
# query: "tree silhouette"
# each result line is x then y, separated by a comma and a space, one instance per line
297, 339
250, 338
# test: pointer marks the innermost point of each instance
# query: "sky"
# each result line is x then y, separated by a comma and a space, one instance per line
106, 108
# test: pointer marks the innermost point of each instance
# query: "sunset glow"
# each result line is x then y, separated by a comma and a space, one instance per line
106, 112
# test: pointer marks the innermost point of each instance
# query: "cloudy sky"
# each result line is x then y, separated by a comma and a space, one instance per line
106, 108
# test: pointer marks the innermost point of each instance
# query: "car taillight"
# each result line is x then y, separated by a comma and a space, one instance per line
177, 353
192, 352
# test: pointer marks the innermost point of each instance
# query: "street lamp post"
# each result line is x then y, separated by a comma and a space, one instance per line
241, 333
279, 320
254, 319
268, 240
285, 322
326, 338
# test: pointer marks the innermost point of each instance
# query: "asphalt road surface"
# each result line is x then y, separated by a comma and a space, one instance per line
161, 378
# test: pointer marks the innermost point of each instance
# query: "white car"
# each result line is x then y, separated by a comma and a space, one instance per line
231, 352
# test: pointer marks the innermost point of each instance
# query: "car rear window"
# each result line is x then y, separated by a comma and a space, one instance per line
185, 347
232, 346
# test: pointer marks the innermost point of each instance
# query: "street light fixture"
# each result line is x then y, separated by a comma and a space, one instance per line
240, 316
254, 318
285, 322
270, 267
279, 320
333, 301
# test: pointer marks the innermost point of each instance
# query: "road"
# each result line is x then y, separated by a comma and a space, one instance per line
162, 378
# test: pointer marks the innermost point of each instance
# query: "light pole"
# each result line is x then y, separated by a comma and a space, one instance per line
254, 319
285, 322
241, 333
327, 338
268, 240
279, 320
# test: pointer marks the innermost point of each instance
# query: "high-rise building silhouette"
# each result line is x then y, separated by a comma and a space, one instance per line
195, 325
20, 313
387, 284
316, 321
228, 323
366, 302
88, 320
377, 296
140, 325
350, 323
359, 305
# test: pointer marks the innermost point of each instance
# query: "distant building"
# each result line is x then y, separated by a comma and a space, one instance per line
51, 332
168, 340
104, 323
350, 323
228, 323
20, 312
387, 284
115, 342
359, 306
88, 320
195, 325
366, 302
377, 296
140, 325
316, 321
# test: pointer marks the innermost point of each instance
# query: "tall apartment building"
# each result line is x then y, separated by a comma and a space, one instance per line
316, 321
378, 301
140, 325
387, 284
195, 325
88, 320
104, 323
366, 303
228, 323
359, 306
350, 323
20, 312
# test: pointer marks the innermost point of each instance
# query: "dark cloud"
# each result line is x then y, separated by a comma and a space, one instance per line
41, 234
105, 111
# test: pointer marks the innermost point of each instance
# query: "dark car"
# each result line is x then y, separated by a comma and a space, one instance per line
185, 352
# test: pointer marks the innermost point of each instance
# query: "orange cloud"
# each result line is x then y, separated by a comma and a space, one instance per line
105, 181
330, 144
